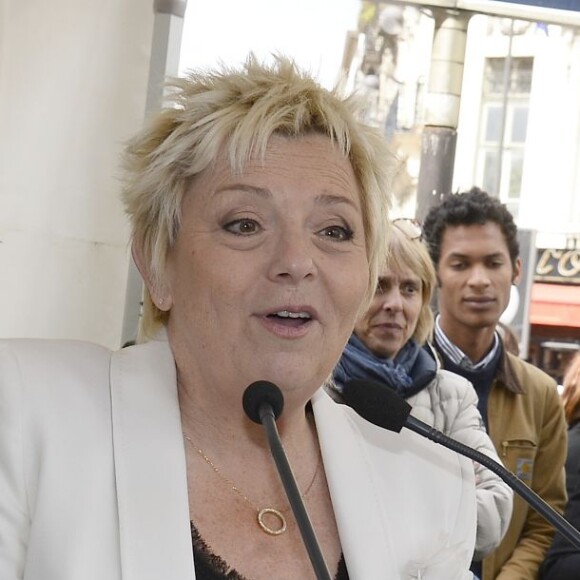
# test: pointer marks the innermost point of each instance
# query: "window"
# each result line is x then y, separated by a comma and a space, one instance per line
503, 128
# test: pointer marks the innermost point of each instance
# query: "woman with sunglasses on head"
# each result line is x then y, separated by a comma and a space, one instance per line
390, 345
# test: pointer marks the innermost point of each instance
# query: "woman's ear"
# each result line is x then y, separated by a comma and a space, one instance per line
159, 293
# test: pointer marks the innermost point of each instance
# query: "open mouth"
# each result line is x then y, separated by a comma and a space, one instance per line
292, 319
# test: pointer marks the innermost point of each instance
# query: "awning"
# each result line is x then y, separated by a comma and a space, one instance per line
555, 305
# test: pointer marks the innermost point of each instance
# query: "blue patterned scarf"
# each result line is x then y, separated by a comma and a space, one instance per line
408, 373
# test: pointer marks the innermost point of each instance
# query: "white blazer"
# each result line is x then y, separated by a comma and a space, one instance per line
93, 476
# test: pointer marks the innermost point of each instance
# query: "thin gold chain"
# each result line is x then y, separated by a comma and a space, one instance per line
277, 514
232, 484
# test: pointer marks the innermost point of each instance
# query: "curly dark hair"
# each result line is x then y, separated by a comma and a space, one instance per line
465, 209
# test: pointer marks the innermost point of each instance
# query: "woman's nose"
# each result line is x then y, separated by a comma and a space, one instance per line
293, 258
392, 300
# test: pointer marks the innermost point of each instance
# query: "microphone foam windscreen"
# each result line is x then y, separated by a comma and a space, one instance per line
259, 393
377, 403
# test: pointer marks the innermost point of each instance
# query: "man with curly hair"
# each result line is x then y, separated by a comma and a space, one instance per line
472, 239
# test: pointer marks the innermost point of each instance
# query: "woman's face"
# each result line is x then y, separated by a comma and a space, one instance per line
392, 317
268, 270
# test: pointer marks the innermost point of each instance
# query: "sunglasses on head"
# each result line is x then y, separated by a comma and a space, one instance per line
409, 226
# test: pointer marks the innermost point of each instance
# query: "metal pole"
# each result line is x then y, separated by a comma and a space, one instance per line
164, 61
507, 70
439, 136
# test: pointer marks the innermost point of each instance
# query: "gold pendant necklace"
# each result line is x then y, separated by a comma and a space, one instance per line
260, 513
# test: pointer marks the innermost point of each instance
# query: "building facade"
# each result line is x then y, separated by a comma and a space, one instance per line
518, 137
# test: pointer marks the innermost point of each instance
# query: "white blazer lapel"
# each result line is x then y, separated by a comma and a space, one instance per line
366, 544
150, 465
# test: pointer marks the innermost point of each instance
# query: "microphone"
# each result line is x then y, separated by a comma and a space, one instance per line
383, 407
263, 403
258, 396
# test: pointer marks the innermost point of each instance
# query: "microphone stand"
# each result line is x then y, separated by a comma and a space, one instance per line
288, 480
530, 496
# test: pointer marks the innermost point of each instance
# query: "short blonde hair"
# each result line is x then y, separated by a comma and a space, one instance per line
237, 112
412, 254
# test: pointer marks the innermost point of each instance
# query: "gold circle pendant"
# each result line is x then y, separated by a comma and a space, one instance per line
268, 529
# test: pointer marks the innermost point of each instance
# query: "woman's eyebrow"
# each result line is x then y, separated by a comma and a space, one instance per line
323, 198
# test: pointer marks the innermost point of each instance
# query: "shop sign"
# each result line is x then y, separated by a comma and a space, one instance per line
558, 265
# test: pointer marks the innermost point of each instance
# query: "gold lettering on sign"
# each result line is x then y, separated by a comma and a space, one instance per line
569, 264
558, 265
543, 266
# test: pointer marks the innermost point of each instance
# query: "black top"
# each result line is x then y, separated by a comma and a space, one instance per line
563, 559
209, 566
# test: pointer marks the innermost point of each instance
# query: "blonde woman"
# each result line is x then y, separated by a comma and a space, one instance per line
256, 203
390, 345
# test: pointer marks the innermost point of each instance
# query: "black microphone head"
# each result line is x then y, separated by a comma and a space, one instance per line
377, 403
259, 393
